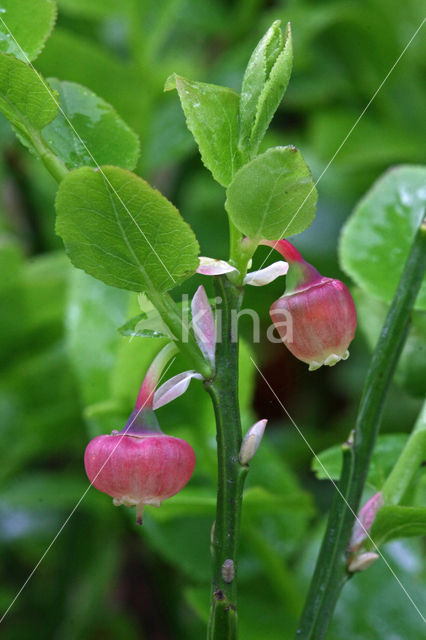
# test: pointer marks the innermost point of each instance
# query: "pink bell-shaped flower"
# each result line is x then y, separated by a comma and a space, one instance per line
140, 464
316, 316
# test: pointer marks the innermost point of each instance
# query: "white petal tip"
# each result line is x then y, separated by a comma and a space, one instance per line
313, 366
213, 267
330, 361
265, 276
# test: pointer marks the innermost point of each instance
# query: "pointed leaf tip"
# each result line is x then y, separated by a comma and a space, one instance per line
170, 83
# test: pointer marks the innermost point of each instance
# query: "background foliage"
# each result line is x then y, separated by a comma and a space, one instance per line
68, 374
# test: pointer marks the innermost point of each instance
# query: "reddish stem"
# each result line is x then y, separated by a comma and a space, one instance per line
285, 248
301, 273
146, 392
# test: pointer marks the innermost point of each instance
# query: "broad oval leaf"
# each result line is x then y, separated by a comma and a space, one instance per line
88, 131
25, 26
211, 114
25, 98
273, 196
119, 229
377, 237
398, 522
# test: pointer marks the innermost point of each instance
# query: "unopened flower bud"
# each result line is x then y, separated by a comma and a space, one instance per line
251, 441
364, 521
321, 310
362, 561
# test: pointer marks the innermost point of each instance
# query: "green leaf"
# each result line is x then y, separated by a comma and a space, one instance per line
25, 99
212, 117
273, 196
25, 26
264, 84
183, 542
398, 522
411, 368
119, 229
377, 237
373, 605
92, 339
148, 323
91, 132
385, 455
95, 9
144, 326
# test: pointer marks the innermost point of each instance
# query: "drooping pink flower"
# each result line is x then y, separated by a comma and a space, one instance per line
139, 469
316, 316
140, 464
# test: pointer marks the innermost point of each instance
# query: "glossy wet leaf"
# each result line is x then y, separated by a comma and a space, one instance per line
273, 196
88, 131
264, 84
385, 455
211, 114
25, 99
25, 25
145, 326
411, 368
377, 237
119, 229
395, 522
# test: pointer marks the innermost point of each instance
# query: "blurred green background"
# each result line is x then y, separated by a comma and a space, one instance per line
67, 374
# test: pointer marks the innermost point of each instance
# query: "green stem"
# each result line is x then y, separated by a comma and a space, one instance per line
408, 463
231, 474
179, 326
330, 572
53, 164
241, 251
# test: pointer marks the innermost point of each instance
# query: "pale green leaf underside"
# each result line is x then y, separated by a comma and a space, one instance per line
25, 26
119, 229
377, 237
24, 100
273, 196
143, 326
211, 114
393, 522
96, 128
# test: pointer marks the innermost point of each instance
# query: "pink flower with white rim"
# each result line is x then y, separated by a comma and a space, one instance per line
140, 464
322, 311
